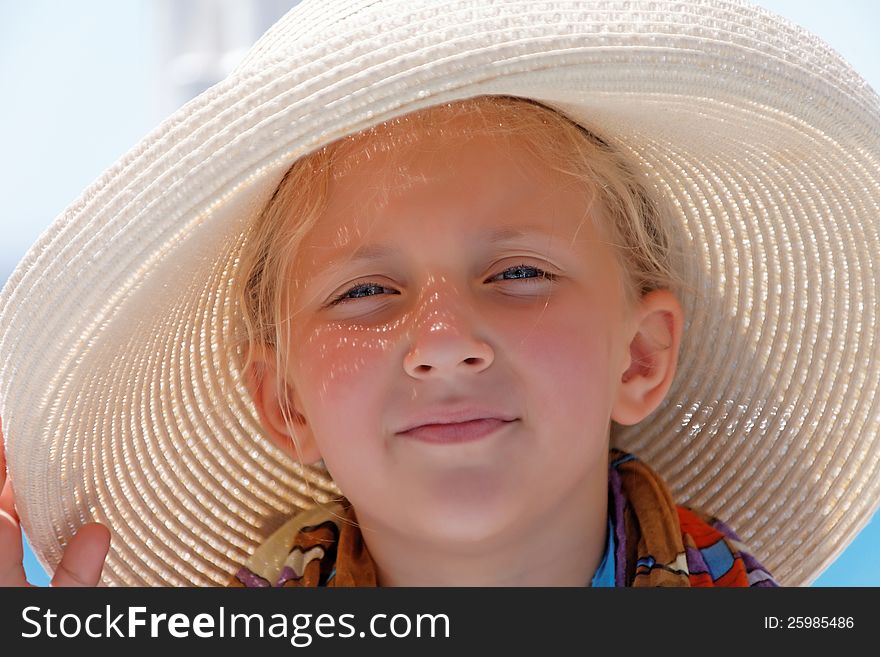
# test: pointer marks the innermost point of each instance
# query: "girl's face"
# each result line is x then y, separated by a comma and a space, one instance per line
456, 275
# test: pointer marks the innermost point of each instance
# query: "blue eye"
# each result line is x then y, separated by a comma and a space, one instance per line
362, 290
519, 269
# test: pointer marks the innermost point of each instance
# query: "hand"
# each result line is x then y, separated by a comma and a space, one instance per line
83, 559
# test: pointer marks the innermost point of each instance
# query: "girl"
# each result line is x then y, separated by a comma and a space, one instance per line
453, 312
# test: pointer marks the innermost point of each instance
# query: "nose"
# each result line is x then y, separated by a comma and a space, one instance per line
444, 344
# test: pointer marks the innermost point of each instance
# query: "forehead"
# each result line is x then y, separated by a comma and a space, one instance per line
440, 169
433, 146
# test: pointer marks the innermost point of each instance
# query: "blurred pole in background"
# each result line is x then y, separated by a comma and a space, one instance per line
201, 41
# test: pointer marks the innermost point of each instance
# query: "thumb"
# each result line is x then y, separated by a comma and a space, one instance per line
84, 556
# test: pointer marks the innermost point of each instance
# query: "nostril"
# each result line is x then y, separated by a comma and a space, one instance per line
472, 360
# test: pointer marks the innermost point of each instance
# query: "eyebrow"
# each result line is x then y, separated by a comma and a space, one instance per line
372, 252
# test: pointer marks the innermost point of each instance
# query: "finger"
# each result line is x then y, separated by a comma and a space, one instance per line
7, 501
7, 498
2, 457
84, 556
11, 550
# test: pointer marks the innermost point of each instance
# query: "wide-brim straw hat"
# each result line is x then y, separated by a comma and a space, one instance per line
762, 139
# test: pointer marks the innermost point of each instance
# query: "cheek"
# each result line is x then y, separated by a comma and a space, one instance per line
341, 366
344, 370
566, 358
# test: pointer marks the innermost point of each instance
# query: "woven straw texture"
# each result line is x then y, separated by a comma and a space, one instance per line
765, 142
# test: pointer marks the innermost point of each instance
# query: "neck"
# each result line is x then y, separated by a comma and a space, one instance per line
557, 545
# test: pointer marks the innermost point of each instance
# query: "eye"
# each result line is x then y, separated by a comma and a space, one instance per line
359, 291
522, 272
371, 289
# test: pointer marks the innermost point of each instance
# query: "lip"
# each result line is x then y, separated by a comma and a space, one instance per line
457, 432
454, 415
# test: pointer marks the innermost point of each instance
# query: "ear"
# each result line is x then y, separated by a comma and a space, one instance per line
653, 355
262, 381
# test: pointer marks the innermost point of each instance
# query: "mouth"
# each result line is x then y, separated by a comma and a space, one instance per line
457, 432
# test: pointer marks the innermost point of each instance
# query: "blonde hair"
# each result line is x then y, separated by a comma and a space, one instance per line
631, 218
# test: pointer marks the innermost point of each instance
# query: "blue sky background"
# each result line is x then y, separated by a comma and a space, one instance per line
81, 83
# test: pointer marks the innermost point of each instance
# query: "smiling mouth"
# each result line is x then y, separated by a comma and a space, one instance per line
457, 432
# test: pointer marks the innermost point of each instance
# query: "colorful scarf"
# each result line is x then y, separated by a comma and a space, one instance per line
656, 542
